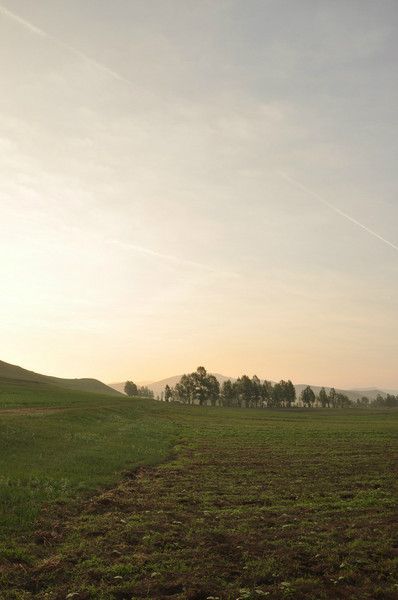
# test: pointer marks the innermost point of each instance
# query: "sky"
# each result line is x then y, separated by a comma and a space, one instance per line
200, 182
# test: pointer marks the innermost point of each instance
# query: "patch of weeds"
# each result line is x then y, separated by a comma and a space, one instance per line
15, 554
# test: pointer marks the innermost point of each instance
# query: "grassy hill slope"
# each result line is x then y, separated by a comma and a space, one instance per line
14, 373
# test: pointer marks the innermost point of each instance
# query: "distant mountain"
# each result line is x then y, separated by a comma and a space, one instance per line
119, 387
374, 391
159, 386
351, 394
13, 373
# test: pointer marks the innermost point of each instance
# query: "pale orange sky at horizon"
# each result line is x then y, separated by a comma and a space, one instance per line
200, 183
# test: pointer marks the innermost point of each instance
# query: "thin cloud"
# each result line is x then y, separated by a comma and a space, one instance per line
340, 212
172, 259
31, 27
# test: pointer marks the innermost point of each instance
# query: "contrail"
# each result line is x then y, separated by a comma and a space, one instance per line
44, 34
170, 258
340, 212
7, 13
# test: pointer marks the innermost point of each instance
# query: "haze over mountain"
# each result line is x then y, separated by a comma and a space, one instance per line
14, 373
158, 387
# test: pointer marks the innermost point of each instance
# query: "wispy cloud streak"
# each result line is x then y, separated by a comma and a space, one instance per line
303, 188
171, 259
31, 27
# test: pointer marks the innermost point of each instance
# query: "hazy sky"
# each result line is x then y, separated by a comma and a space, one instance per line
188, 182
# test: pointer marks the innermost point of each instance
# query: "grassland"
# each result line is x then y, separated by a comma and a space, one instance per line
55, 444
250, 504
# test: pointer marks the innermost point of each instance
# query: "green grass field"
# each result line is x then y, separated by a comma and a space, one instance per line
56, 443
249, 503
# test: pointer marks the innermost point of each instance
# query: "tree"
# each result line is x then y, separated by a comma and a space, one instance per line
206, 387
391, 401
290, 393
256, 390
145, 392
213, 387
184, 390
363, 402
199, 381
287, 393
244, 388
342, 401
323, 398
267, 393
130, 388
198, 387
277, 395
168, 394
332, 397
308, 396
379, 400
227, 393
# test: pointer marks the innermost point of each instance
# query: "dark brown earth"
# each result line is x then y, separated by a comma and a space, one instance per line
231, 516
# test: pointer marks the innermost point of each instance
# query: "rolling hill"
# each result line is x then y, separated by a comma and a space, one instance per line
351, 394
158, 386
10, 372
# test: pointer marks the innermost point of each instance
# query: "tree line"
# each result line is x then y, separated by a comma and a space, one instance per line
204, 389
131, 389
389, 401
246, 392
